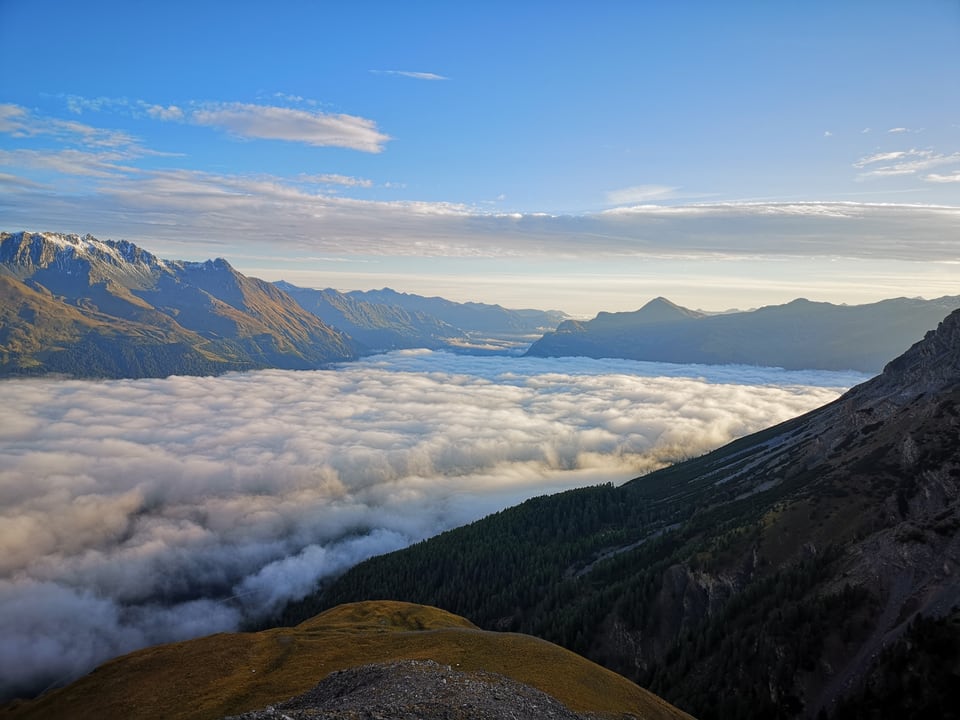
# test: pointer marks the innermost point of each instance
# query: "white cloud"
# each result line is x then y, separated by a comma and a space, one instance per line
937, 178
78, 104
335, 179
898, 130
640, 194
136, 512
14, 183
159, 112
882, 157
68, 162
278, 123
904, 162
827, 133
21, 123
410, 74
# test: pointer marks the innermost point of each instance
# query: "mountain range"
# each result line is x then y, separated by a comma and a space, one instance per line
809, 570
798, 335
86, 307
99, 308
382, 320
376, 326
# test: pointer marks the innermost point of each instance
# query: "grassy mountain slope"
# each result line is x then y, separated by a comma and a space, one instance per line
232, 673
760, 580
91, 308
41, 334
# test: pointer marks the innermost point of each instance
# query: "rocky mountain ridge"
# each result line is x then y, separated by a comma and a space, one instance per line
86, 307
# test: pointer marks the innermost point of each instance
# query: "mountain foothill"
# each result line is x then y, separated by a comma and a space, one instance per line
810, 570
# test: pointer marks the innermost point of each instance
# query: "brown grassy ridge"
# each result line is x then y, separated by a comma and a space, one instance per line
231, 673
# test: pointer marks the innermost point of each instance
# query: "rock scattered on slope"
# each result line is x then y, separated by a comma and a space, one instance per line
417, 690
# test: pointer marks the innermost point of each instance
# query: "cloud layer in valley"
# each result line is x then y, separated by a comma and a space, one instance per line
138, 512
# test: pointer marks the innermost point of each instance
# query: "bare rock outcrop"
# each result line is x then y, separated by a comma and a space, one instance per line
417, 690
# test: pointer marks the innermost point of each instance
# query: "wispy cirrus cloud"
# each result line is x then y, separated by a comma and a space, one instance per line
15, 183
641, 194
278, 123
938, 178
903, 162
68, 162
335, 179
252, 120
411, 74
20, 122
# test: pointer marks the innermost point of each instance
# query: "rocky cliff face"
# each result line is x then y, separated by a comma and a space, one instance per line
873, 481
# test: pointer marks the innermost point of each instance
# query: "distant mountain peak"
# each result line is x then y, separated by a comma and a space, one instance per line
661, 304
658, 310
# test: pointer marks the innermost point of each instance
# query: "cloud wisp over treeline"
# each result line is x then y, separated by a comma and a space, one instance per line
139, 512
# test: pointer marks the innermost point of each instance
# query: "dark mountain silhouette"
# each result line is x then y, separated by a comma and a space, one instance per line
764, 579
798, 335
93, 308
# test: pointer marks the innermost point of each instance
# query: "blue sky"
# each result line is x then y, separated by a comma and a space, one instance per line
583, 157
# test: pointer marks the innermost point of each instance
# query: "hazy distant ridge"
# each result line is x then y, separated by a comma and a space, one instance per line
376, 326
798, 335
471, 316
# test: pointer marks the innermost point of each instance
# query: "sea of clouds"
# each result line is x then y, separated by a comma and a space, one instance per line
134, 512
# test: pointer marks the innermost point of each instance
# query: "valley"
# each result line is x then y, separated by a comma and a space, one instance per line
769, 569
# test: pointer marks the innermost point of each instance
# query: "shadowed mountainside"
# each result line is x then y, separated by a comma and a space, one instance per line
377, 327
798, 335
479, 320
760, 580
228, 674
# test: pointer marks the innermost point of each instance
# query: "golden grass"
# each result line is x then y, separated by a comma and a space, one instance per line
227, 674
